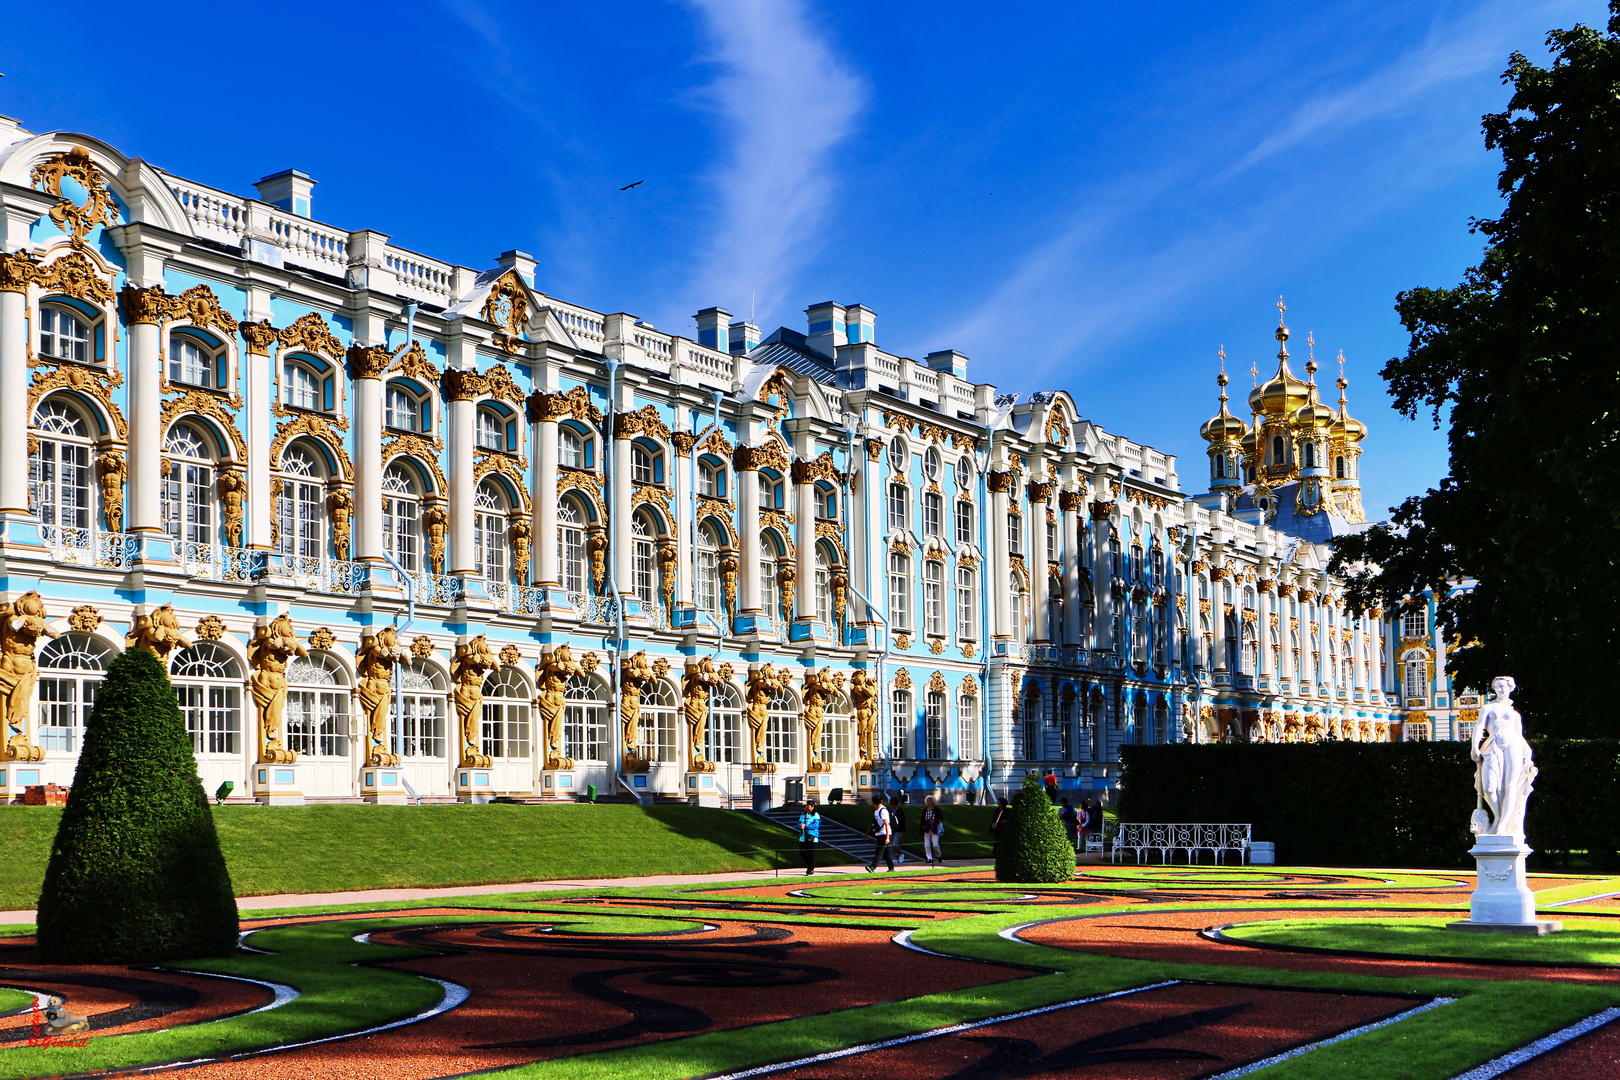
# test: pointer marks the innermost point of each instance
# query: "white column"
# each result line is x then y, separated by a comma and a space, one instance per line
998, 565
685, 522
544, 497
804, 542
1102, 576
1285, 636
622, 556
1217, 621
1262, 665
258, 421
367, 366
13, 400
1071, 525
144, 512
1172, 613
463, 415
1358, 645
748, 529
1039, 578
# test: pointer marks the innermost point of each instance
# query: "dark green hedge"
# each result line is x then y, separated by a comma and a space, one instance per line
1036, 848
136, 874
1373, 804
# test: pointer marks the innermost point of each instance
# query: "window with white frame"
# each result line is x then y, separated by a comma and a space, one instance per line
1053, 551
301, 506
641, 464
934, 598
934, 724
63, 335
964, 475
782, 730
570, 448
302, 388
967, 604
967, 726
571, 555
899, 590
722, 738
59, 467
1015, 534
931, 463
317, 713
772, 557
491, 432
835, 731
489, 533
504, 725
1418, 732
900, 721
401, 506
770, 491
708, 567
585, 719
643, 568
71, 669
824, 608
658, 705
898, 458
1415, 623
187, 494
1417, 675
208, 683
416, 726
710, 479
401, 410
1019, 606
899, 508
190, 362
933, 514
964, 522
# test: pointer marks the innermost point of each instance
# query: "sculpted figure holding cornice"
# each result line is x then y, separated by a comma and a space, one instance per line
633, 679
379, 653
556, 668
22, 624
158, 632
473, 660
268, 654
819, 685
863, 697
700, 677
763, 684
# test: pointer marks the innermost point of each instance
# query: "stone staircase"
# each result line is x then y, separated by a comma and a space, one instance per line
834, 834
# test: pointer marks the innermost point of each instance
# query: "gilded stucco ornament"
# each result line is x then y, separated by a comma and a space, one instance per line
339, 510
272, 646
210, 628
768, 455
1102, 511
147, 306
1071, 501
728, 582
510, 655
645, 421
697, 680
157, 631
422, 647
18, 270
779, 388
838, 583
1057, 430
820, 684
498, 384
634, 676
421, 450
309, 333
374, 664
507, 309
667, 558
556, 668
518, 535
259, 336
22, 624
111, 471
684, 442
315, 427
84, 619
322, 638
764, 683
786, 580
863, 702
473, 660
461, 385
209, 405
368, 361
902, 640
435, 525
575, 403
821, 468
73, 217
874, 449
596, 552
232, 488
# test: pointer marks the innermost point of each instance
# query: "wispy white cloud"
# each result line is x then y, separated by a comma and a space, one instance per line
787, 101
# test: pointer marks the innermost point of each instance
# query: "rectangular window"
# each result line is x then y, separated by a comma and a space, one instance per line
1415, 623
967, 605
1051, 540
1015, 534
934, 725
782, 739
899, 592
419, 727
900, 721
835, 740
964, 522
585, 730
967, 726
933, 512
571, 556
723, 737
505, 729
899, 505
934, 598
643, 571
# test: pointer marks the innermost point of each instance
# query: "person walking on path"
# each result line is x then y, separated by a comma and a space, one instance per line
1084, 817
1051, 783
1000, 821
1071, 825
809, 836
933, 827
897, 810
882, 833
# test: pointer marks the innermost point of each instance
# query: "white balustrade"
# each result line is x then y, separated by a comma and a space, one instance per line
419, 277
213, 214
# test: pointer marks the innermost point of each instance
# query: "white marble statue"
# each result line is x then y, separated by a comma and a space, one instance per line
1504, 773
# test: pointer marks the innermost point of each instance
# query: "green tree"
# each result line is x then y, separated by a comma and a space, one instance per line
1038, 850
136, 874
1518, 541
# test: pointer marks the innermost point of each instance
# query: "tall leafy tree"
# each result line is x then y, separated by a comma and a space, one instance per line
1519, 540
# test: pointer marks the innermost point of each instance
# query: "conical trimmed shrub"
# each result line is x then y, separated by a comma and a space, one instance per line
1038, 850
136, 874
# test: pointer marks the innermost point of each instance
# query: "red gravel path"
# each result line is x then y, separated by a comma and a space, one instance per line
1596, 1055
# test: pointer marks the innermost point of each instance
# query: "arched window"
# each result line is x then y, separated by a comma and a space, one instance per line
1054, 609
585, 719
931, 463
190, 361
317, 706
643, 569
933, 514
571, 448
63, 335
303, 387
899, 591
504, 725
782, 729
934, 724
402, 411
301, 506
967, 604
898, 458
708, 568
770, 491
643, 465
188, 490
495, 432
1417, 675
571, 557
417, 726
402, 535
1019, 606
658, 706
711, 479
900, 721
899, 508
1309, 455
1338, 467
964, 475
835, 731
826, 502
772, 557
934, 598
59, 468
71, 668
722, 738
1277, 452
208, 682
1032, 724
824, 567
964, 522
967, 725
1220, 466
489, 533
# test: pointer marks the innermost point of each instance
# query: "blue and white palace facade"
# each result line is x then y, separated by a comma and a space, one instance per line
396, 525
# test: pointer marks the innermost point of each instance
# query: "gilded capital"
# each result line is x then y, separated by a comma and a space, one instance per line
368, 361
147, 305
17, 271
1040, 490
1071, 500
462, 385
259, 337
1000, 482
684, 441
1102, 511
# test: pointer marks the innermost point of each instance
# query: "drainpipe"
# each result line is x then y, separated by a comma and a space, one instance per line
410, 321
984, 589
619, 641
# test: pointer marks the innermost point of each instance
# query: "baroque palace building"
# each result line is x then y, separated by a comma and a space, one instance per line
401, 527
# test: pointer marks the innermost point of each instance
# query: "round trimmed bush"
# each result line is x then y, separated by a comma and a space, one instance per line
1038, 850
136, 874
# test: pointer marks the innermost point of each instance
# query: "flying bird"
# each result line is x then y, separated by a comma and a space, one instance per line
627, 187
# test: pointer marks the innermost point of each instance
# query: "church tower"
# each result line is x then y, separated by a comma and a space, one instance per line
1310, 424
1345, 435
1225, 434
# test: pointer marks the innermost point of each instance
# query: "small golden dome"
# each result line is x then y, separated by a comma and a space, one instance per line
1223, 426
1313, 414
1345, 426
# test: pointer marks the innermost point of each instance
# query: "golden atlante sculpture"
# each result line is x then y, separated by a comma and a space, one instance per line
272, 646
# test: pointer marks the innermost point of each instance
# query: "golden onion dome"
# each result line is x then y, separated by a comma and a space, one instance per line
1223, 426
1313, 414
1345, 426
1283, 393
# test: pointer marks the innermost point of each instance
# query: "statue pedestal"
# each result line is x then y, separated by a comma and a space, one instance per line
556, 784
1502, 900
383, 785
700, 789
277, 785
475, 784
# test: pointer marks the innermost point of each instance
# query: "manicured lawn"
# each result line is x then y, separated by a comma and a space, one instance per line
1579, 943
967, 828
299, 849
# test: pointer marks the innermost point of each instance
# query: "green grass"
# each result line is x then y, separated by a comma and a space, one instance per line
304, 849
14, 999
1585, 943
967, 828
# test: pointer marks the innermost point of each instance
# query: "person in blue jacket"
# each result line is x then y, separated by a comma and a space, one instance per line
809, 836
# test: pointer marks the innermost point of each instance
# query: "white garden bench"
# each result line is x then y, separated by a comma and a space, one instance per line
1139, 837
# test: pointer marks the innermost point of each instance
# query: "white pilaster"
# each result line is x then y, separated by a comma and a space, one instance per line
13, 402
544, 498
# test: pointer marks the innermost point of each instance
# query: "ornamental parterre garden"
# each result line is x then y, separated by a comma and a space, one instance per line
1122, 972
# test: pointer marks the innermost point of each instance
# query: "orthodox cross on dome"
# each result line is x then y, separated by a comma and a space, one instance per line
1342, 381
1310, 362
1282, 331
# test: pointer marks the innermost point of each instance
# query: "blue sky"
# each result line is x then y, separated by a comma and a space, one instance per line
1078, 195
